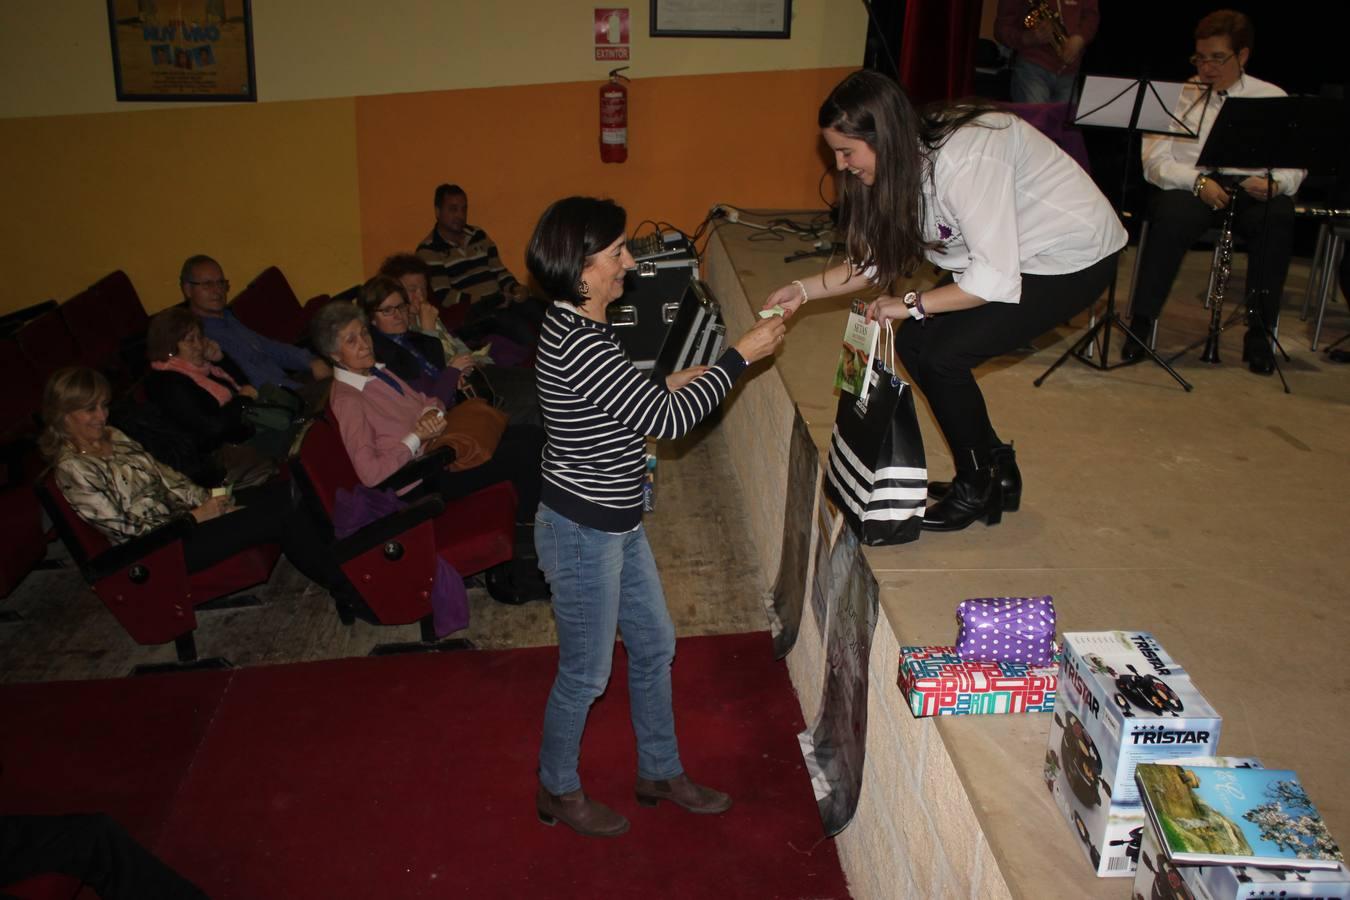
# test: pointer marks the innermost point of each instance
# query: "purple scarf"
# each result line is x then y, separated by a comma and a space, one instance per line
357, 508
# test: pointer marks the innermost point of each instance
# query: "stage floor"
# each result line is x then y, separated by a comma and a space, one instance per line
1213, 519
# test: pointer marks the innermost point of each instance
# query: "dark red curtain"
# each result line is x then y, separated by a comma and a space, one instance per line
937, 48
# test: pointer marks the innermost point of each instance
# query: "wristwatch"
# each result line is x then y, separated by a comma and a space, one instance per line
1199, 184
914, 303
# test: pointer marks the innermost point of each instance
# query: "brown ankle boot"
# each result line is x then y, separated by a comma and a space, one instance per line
580, 813
694, 797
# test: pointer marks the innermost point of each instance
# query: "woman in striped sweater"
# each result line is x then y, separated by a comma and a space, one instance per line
598, 410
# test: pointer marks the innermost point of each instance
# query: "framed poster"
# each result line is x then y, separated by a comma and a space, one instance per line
721, 18
182, 49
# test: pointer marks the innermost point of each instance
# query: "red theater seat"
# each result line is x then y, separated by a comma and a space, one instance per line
47, 344
108, 324
144, 582
270, 307
392, 560
25, 542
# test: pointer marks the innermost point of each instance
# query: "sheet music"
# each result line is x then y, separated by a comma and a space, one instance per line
1106, 101
1172, 107
1168, 107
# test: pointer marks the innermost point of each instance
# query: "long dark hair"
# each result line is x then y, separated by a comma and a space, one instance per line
883, 222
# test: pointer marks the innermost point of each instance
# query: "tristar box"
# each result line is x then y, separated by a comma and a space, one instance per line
1158, 878
1121, 701
938, 683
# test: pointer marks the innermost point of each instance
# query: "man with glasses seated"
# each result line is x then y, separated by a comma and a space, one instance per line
262, 360
1193, 199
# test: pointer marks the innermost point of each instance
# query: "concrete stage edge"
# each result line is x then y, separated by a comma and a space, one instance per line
955, 807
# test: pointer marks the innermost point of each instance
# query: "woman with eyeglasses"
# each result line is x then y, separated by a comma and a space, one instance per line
1029, 239
386, 423
1192, 199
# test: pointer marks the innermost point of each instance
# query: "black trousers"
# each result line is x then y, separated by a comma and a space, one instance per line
92, 848
267, 514
941, 352
518, 459
1177, 219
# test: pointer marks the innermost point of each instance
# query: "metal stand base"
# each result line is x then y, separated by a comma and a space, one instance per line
1217, 333
1098, 339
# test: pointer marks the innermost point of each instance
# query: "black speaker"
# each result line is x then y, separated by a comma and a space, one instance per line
650, 302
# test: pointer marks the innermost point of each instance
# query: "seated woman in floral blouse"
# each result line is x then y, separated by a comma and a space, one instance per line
115, 485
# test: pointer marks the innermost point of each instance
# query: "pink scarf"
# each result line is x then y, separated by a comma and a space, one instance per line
199, 374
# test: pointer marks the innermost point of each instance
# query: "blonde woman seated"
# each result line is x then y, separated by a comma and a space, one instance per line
114, 484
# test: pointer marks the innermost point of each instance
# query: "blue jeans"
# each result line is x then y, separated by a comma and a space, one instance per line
602, 582
1033, 84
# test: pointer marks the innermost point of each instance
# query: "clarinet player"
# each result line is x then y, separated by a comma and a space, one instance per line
1191, 200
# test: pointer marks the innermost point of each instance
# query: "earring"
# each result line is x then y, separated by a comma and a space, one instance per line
584, 289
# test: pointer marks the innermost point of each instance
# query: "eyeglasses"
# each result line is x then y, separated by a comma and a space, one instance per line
391, 310
217, 282
1217, 59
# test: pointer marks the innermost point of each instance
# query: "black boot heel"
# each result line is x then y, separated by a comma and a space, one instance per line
993, 509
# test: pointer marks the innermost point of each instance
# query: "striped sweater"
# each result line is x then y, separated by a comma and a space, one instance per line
598, 409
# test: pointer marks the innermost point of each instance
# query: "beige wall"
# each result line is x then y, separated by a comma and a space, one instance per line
55, 57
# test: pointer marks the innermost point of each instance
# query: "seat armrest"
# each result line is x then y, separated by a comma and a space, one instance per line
418, 469
388, 528
119, 557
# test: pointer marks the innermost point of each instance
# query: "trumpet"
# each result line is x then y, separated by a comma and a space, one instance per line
1041, 11
1225, 268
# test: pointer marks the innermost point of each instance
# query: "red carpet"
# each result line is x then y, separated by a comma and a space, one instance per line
414, 777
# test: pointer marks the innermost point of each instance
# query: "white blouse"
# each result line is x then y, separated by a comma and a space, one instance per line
1005, 201
1169, 162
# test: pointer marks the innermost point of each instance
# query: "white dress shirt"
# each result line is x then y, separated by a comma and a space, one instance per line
1005, 201
1169, 162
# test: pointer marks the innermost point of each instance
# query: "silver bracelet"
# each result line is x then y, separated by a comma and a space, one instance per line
801, 287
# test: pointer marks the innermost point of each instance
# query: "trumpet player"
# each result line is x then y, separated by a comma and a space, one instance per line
1047, 38
1191, 200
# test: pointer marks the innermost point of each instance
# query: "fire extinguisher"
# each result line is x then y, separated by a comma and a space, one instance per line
614, 118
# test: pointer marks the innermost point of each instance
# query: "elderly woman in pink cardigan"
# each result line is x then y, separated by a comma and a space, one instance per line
385, 424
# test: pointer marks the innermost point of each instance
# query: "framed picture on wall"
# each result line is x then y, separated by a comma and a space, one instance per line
182, 49
721, 18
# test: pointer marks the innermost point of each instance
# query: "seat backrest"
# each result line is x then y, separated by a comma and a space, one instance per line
21, 399
83, 540
270, 307
47, 343
323, 459
121, 305
89, 324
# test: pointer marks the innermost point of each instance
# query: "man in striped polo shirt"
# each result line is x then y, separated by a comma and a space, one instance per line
466, 268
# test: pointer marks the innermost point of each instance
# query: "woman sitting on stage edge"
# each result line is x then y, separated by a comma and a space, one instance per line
598, 410
1030, 240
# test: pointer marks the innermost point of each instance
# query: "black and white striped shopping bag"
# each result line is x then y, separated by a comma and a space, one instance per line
876, 473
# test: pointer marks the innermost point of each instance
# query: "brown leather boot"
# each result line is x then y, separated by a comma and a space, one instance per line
694, 797
580, 813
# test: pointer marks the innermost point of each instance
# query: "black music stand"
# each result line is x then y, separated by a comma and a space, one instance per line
1272, 133
1131, 105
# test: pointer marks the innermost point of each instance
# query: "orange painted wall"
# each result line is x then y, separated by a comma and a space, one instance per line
747, 139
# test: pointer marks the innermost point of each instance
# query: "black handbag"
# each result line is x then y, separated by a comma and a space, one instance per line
876, 473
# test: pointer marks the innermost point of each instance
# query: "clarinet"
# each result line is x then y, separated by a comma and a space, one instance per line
1225, 253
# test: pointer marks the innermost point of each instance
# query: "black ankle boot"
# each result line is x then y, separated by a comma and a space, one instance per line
1141, 327
1256, 352
976, 493
1010, 479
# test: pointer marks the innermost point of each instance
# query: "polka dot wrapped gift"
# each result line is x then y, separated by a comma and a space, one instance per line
1007, 629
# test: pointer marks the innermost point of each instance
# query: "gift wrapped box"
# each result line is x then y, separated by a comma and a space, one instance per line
1007, 629
937, 682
